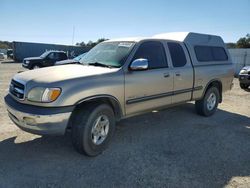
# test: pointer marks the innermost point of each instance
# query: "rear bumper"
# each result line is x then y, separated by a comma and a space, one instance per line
38, 120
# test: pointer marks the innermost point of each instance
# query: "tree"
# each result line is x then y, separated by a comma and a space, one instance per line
231, 45
244, 42
101, 40
90, 43
80, 44
5, 44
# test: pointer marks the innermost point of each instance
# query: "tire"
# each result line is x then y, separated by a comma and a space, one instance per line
209, 103
244, 86
84, 130
35, 66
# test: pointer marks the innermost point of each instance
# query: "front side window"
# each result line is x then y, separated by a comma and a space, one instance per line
52, 56
177, 54
44, 54
112, 54
154, 52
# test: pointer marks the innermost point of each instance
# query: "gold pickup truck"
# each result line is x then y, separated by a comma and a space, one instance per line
118, 79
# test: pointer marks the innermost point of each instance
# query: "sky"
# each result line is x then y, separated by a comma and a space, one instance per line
53, 21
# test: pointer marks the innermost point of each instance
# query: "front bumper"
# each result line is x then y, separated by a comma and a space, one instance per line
244, 79
25, 65
38, 120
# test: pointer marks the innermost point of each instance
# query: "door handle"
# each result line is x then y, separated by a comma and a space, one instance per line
177, 74
166, 75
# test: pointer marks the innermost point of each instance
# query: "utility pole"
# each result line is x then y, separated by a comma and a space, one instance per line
73, 35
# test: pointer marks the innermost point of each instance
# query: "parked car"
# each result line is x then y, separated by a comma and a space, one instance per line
71, 61
244, 78
118, 79
47, 59
10, 53
1, 55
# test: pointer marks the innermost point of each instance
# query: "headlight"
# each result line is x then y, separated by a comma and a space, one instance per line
27, 62
40, 94
243, 71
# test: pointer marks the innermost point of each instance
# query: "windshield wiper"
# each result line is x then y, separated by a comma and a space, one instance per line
100, 64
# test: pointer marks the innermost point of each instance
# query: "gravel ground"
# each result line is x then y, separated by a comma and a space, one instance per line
170, 148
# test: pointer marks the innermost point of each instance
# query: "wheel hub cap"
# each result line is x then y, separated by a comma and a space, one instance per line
100, 129
211, 101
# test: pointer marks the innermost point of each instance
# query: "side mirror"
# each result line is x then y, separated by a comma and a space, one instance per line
139, 64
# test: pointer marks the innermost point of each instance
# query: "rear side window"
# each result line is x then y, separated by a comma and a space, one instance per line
219, 54
177, 54
62, 56
210, 53
154, 52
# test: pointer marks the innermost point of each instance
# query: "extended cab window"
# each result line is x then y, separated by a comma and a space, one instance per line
210, 53
177, 54
62, 56
154, 52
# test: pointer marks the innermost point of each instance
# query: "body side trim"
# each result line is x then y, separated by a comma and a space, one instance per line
161, 95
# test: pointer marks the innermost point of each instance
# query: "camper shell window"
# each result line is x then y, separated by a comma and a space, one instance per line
210, 53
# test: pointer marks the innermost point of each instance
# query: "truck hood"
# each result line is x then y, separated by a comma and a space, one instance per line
60, 73
32, 58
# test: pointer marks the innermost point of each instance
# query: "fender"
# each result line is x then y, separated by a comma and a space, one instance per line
209, 83
113, 101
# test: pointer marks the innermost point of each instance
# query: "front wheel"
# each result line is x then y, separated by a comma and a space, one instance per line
209, 103
244, 86
92, 129
36, 66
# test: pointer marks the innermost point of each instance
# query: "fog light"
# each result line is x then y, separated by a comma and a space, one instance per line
29, 121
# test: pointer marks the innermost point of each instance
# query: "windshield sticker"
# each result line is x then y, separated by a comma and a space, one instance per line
125, 44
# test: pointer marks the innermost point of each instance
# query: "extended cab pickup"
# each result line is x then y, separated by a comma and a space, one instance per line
118, 79
48, 58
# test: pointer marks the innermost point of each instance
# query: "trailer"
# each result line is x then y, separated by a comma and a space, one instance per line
22, 50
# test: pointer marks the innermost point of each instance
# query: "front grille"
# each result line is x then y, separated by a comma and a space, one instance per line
17, 89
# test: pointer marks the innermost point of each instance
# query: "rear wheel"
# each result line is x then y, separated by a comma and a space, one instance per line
92, 129
209, 103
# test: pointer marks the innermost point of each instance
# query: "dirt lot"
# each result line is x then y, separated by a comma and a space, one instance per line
171, 148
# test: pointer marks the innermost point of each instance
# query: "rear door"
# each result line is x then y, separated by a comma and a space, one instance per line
183, 72
152, 88
62, 56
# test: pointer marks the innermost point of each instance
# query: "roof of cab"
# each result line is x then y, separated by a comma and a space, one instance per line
128, 39
187, 37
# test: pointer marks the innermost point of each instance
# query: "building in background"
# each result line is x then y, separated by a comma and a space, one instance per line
240, 57
22, 50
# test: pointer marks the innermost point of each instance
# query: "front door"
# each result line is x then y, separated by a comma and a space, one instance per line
152, 88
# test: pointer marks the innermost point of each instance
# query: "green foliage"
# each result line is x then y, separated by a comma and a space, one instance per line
81, 44
244, 42
5, 45
231, 45
91, 43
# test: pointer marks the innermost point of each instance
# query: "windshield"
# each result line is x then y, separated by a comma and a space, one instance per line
110, 54
78, 58
44, 54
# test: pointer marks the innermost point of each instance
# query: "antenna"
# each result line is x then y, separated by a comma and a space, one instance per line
73, 35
